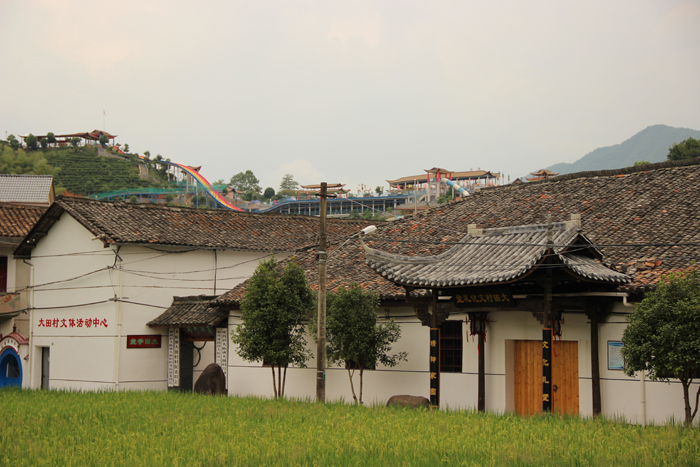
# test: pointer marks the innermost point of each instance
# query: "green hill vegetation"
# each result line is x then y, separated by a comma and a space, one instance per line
79, 169
651, 144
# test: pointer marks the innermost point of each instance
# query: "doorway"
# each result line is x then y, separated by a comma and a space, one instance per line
45, 361
10, 369
527, 373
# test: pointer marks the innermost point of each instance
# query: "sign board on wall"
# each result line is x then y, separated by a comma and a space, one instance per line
147, 341
615, 361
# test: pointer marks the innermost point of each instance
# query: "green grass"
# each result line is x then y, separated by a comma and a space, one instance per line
159, 429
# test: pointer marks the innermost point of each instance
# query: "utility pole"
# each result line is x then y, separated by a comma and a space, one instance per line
321, 345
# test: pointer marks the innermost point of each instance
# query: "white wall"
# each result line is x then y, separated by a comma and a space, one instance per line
620, 395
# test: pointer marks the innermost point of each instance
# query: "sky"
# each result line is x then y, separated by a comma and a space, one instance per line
353, 92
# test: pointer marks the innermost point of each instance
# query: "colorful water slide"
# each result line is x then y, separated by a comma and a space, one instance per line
452, 184
203, 182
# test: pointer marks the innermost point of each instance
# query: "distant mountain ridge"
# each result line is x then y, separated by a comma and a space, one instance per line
651, 145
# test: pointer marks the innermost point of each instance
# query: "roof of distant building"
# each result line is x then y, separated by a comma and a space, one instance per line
26, 189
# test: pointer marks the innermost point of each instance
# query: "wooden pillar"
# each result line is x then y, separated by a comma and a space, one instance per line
547, 327
482, 375
594, 316
434, 352
477, 321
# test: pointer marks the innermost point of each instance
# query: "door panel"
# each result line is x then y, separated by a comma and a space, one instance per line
527, 366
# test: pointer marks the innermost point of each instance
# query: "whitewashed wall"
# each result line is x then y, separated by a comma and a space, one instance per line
621, 395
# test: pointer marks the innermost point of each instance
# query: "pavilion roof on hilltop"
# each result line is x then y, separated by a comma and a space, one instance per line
465, 175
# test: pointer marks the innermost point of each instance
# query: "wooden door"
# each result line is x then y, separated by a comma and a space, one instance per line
527, 366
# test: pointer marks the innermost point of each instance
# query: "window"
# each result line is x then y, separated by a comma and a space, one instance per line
3, 273
451, 347
12, 368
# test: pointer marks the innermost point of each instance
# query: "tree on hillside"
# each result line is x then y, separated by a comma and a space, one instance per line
14, 142
75, 141
662, 337
51, 137
23, 163
44, 142
687, 149
379, 190
245, 181
104, 139
269, 193
275, 305
354, 338
31, 141
288, 183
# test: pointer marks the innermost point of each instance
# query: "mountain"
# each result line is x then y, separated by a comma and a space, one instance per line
651, 145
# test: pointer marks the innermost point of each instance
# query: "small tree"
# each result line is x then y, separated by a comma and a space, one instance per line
269, 193
379, 190
245, 181
44, 142
354, 338
354, 214
367, 215
147, 154
126, 148
104, 139
51, 137
641, 163
288, 183
663, 336
686, 149
14, 142
31, 141
75, 141
276, 302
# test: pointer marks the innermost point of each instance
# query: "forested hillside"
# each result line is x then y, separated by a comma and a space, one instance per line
650, 145
79, 170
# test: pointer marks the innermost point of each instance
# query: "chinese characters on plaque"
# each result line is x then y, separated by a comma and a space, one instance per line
149, 341
434, 367
546, 370
483, 298
221, 356
173, 357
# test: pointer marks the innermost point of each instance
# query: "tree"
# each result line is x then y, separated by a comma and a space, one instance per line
354, 338
14, 142
269, 193
104, 139
288, 183
51, 137
379, 190
276, 302
31, 141
75, 141
641, 163
354, 214
44, 142
126, 148
662, 337
245, 181
367, 215
686, 149
147, 153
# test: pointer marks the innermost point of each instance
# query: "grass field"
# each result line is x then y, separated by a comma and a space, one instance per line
163, 429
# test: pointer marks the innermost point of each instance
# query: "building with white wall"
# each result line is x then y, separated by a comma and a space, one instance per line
644, 223
101, 271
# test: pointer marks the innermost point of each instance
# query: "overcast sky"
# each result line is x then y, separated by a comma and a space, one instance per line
351, 91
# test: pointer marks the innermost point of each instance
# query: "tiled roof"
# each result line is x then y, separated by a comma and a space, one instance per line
644, 222
151, 224
25, 188
492, 256
190, 311
16, 221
